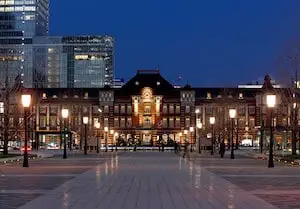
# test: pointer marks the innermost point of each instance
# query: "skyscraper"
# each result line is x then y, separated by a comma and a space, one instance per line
20, 21
76, 61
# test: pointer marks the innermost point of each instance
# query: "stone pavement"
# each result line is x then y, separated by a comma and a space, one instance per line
20, 185
279, 186
148, 180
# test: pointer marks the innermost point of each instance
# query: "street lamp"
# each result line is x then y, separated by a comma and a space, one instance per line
112, 133
85, 122
191, 131
271, 103
212, 121
106, 130
199, 126
65, 115
97, 126
232, 115
116, 142
26, 100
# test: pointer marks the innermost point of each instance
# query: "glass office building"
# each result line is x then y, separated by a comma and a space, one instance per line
20, 21
76, 61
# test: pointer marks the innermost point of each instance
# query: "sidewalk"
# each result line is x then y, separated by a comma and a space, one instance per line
148, 180
19, 158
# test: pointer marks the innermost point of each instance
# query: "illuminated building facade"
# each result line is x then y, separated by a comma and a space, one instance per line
148, 109
20, 21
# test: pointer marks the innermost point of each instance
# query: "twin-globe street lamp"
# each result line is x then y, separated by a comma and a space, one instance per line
198, 127
26, 100
97, 126
212, 121
106, 130
191, 131
112, 133
232, 115
65, 115
271, 103
85, 122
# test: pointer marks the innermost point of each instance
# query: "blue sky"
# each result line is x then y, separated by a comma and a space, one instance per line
207, 42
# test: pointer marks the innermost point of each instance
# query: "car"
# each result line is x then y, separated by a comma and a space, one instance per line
28, 148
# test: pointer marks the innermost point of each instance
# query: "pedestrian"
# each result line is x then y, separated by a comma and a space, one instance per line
185, 149
222, 149
175, 147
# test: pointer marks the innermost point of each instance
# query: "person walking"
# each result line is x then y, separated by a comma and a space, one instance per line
222, 148
185, 149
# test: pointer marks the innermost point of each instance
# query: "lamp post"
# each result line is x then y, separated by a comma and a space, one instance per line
199, 126
85, 122
271, 103
106, 130
212, 121
116, 142
97, 126
112, 133
232, 115
65, 115
191, 132
26, 100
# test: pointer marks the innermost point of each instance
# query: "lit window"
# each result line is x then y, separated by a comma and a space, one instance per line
44, 96
240, 95
208, 95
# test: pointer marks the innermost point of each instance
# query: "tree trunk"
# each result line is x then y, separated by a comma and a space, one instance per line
294, 142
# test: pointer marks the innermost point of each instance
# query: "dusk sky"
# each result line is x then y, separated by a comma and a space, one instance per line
207, 42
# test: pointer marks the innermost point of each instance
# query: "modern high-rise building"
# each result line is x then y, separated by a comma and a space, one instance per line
20, 21
76, 61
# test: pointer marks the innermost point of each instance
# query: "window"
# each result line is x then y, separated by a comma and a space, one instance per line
1, 107
177, 123
106, 109
165, 109
240, 95
129, 122
147, 110
116, 109
95, 109
106, 122
86, 95
43, 110
53, 110
171, 109
53, 121
251, 110
147, 122
116, 122
187, 109
165, 123
122, 123
42, 121
241, 110
209, 110
44, 96
187, 122
171, 122
177, 109
208, 96
123, 109
84, 109
129, 109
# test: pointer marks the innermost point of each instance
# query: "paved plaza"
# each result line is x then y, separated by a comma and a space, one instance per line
149, 180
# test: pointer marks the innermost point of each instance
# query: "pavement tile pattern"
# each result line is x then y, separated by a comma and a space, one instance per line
20, 185
148, 181
279, 186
